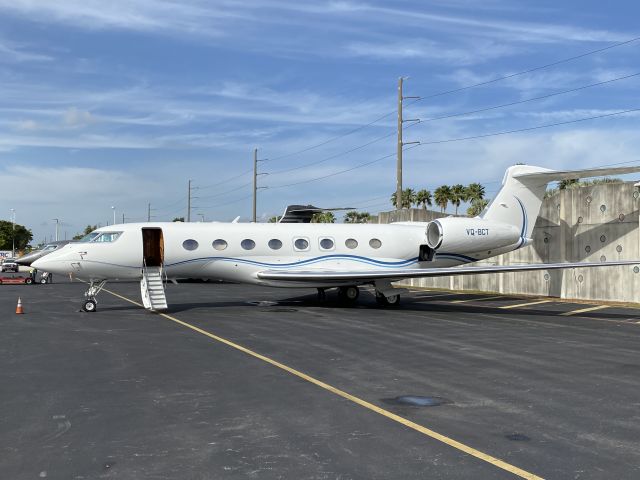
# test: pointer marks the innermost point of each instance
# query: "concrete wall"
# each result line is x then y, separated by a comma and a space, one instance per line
593, 223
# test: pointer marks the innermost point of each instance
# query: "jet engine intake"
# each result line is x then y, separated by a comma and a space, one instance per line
469, 235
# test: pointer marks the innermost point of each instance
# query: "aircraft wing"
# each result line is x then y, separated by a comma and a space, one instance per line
364, 276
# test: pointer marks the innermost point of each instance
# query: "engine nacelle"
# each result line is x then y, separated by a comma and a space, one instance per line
469, 235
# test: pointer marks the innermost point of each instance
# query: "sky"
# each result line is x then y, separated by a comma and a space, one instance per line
121, 103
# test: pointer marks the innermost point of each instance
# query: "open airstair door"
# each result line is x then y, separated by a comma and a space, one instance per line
151, 284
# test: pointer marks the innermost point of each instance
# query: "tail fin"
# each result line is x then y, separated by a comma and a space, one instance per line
518, 201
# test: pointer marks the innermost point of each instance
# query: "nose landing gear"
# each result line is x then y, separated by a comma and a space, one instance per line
90, 305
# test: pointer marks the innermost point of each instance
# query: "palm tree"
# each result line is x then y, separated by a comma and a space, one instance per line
569, 183
458, 195
356, 217
442, 196
324, 217
423, 197
475, 191
408, 198
477, 206
275, 219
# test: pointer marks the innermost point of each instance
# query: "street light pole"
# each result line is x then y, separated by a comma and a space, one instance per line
114, 215
13, 233
57, 221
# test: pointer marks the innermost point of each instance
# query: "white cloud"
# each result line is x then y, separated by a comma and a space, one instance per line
11, 52
429, 51
74, 117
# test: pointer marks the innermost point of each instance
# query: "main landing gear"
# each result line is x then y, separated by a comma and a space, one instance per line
350, 294
345, 294
91, 304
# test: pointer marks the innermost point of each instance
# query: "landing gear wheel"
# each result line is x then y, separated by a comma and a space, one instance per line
384, 301
322, 295
89, 306
349, 294
43, 281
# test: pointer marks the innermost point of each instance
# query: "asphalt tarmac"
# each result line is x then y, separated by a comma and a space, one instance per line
243, 382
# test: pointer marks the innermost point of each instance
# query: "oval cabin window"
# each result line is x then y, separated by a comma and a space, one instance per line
275, 244
301, 244
351, 243
190, 244
248, 244
219, 244
326, 244
375, 243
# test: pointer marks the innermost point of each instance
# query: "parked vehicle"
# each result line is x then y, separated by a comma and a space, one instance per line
9, 265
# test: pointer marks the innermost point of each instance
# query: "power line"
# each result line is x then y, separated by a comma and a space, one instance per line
460, 139
227, 180
510, 104
455, 90
506, 132
523, 72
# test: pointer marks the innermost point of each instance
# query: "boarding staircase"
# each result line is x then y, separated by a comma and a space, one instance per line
152, 288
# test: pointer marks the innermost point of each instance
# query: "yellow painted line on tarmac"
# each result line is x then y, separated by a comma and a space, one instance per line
526, 304
583, 310
363, 403
477, 299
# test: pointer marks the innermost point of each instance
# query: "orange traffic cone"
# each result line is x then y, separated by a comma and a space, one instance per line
19, 307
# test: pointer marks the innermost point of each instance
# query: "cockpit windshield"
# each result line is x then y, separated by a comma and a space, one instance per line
101, 237
89, 237
107, 237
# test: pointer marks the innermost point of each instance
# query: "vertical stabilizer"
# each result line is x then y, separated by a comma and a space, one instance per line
518, 201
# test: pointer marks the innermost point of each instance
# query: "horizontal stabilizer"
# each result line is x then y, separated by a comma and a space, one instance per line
340, 276
556, 175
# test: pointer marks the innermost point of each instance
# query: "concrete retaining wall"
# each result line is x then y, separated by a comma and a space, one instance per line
592, 223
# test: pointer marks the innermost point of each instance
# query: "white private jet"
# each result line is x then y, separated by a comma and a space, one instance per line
317, 255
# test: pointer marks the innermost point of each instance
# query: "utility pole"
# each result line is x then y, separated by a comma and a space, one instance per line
123, 218
57, 222
255, 182
13, 233
401, 144
189, 203
148, 212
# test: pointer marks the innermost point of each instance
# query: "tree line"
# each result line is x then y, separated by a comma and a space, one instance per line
443, 195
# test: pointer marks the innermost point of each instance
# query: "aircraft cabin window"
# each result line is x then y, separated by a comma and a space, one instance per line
219, 244
375, 243
107, 237
275, 244
351, 243
301, 244
326, 244
190, 244
48, 248
248, 244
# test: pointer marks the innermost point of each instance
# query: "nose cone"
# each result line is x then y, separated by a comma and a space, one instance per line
29, 258
39, 263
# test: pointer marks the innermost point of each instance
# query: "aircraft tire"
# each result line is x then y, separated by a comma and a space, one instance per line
384, 301
349, 294
89, 306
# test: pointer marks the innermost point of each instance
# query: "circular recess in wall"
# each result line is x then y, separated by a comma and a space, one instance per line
580, 219
603, 258
603, 208
587, 249
603, 238
546, 276
546, 240
619, 248
621, 217
580, 278
636, 269
636, 194
589, 199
